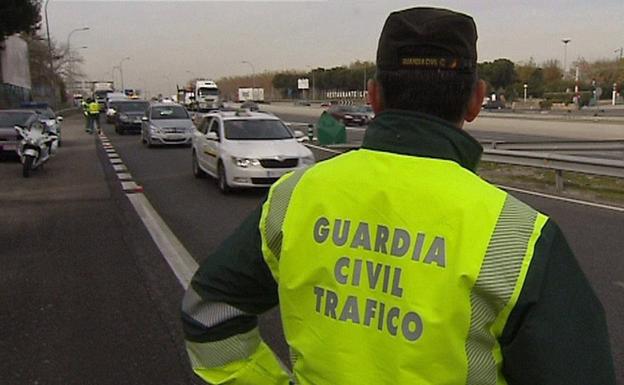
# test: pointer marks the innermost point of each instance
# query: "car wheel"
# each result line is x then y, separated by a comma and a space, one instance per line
222, 180
149, 142
197, 171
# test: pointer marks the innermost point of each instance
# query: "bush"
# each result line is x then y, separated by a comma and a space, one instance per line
545, 104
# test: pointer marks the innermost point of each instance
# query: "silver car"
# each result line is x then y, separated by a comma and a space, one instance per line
9, 139
166, 123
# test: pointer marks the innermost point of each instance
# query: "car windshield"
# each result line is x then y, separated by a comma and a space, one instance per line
10, 119
173, 112
208, 91
132, 107
256, 130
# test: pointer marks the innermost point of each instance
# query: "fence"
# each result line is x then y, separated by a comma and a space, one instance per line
555, 162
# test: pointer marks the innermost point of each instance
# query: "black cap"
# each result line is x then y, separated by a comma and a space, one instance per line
428, 39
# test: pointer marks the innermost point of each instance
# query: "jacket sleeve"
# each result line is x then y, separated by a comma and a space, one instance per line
557, 332
219, 313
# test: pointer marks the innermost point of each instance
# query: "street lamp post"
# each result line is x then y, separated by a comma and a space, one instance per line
70, 76
526, 86
121, 72
565, 54
45, 8
253, 79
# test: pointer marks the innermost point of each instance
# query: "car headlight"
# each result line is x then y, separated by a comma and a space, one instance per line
154, 130
123, 117
191, 129
308, 160
348, 117
245, 162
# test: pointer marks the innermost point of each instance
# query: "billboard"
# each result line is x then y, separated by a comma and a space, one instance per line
14, 62
303, 84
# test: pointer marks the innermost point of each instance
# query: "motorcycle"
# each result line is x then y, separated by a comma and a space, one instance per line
36, 146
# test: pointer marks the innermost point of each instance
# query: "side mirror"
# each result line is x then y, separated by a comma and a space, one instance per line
144, 118
299, 134
212, 136
59, 118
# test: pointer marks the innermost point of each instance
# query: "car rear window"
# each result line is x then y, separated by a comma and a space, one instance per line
10, 119
256, 130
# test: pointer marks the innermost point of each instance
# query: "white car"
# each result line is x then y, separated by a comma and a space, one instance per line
246, 149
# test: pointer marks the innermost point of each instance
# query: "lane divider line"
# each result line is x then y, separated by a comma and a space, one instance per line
124, 176
322, 148
564, 199
131, 187
176, 255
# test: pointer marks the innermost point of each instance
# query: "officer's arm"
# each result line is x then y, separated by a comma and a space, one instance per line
219, 310
557, 333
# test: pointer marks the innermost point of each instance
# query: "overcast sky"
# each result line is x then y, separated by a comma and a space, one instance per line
170, 42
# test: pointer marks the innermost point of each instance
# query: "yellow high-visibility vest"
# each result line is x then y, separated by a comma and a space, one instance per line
94, 108
403, 272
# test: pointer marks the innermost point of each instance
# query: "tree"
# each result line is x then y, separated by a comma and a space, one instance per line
19, 16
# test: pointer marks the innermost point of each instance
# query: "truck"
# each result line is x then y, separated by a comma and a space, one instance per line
100, 90
255, 95
207, 95
186, 96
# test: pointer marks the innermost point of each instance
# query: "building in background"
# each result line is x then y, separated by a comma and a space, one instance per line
15, 82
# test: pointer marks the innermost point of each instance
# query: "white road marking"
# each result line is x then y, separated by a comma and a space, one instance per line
113, 156
124, 176
323, 148
564, 199
619, 283
176, 255
116, 161
131, 186
119, 167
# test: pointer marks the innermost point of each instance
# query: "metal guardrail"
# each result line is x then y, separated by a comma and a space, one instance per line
565, 145
556, 162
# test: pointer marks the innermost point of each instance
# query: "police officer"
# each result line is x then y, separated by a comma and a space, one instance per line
396, 264
94, 115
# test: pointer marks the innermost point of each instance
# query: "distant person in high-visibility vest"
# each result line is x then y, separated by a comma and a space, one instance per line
94, 116
396, 264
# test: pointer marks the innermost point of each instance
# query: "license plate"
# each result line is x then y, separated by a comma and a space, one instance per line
274, 174
8, 147
174, 136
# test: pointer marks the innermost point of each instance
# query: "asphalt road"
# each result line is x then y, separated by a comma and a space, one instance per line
92, 300
86, 297
201, 218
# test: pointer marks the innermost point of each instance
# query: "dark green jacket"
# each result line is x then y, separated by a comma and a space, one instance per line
555, 335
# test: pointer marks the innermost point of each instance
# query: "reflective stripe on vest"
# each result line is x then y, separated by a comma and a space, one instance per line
396, 268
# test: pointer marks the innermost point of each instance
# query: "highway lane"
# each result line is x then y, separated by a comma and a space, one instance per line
201, 218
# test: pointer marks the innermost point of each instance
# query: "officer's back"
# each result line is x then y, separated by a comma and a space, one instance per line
396, 263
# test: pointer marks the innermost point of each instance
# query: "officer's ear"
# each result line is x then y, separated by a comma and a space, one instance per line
476, 100
375, 96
